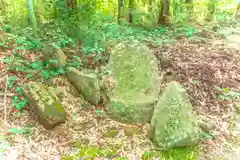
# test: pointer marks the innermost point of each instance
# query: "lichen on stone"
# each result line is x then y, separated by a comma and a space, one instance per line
134, 71
45, 104
174, 123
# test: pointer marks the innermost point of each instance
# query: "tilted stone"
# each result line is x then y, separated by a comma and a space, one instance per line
55, 57
173, 123
134, 69
86, 82
45, 104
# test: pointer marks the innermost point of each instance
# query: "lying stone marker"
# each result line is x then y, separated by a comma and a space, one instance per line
45, 103
87, 83
134, 69
173, 123
54, 56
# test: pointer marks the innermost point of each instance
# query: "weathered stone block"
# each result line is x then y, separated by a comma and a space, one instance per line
45, 103
173, 123
55, 57
135, 73
87, 83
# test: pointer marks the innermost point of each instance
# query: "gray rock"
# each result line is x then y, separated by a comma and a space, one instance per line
173, 123
55, 57
45, 104
134, 70
87, 83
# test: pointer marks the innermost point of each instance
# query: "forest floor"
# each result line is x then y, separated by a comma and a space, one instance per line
206, 65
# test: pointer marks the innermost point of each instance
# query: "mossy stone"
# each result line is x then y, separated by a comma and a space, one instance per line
80, 143
87, 84
174, 123
113, 132
134, 69
130, 131
45, 103
55, 57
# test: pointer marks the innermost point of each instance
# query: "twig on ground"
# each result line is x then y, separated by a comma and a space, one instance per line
5, 106
9, 94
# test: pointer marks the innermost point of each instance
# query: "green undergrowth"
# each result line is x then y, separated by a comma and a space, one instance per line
95, 36
91, 152
95, 33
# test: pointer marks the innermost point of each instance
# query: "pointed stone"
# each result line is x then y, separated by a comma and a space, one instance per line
173, 123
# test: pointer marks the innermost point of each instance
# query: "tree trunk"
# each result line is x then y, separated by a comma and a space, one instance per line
211, 9
189, 4
130, 15
71, 4
150, 2
237, 13
119, 11
163, 16
32, 17
175, 8
2, 7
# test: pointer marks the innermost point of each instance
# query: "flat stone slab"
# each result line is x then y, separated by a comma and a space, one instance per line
87, 84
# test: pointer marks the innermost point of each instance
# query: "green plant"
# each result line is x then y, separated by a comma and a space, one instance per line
11, 81
19, 102
226, 93
25, 130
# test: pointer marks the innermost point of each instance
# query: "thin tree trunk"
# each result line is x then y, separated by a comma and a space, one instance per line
71, 4
119, 11
237, 13
181, 6
2, 7
150, 2
166, 9
211, 9
175, 8
130, 15
163, 16
190, 9
32, 17
160, 13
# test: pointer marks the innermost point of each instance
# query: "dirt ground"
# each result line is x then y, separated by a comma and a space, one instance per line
209, 69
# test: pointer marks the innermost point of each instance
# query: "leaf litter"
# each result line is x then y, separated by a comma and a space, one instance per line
200, 66
207, 71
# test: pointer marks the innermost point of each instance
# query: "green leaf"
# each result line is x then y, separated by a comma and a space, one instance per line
98, 111
18, 90
29, 75
36, 65
11, 81
45, 74
16, 130
225, 90
21, 104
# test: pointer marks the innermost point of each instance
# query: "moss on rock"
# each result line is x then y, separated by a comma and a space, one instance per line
112, 132
137, 83
55, 57
173, 123
86, 82
45, 103
130, 131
